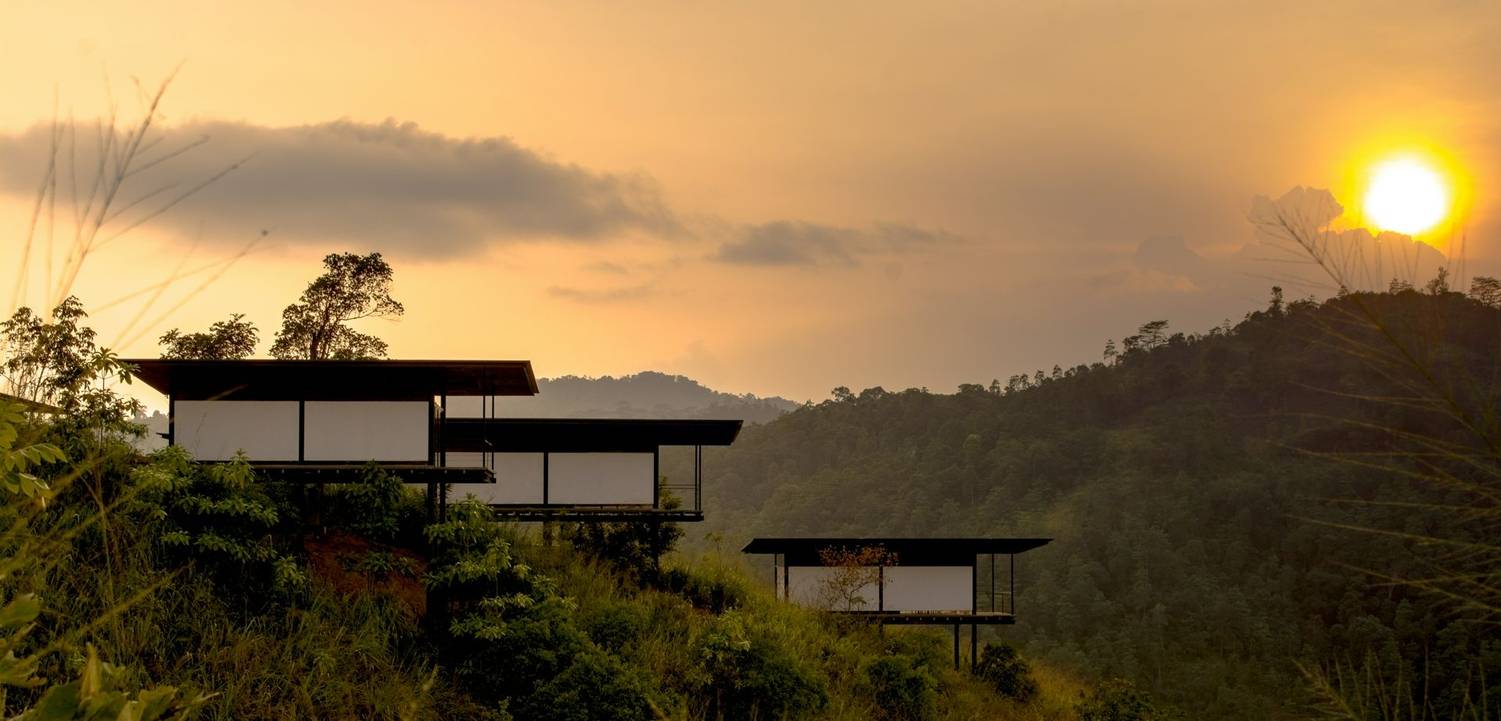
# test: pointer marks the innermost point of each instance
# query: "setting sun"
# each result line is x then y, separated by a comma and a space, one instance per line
1406, 195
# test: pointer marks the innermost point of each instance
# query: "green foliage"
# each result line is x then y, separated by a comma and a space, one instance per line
903, 688
352, 287
1006, 671
507, 630
595, 687
57, 361
714, 588
748, 674
224, 340
617, 626
217, 517
632, 547
17, 462
377, 506
1119, 700
96, 696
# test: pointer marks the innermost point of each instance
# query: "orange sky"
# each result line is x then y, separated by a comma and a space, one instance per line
769, 197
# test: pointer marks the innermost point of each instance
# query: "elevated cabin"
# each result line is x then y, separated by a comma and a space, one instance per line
431, 422
584, 469
933, 581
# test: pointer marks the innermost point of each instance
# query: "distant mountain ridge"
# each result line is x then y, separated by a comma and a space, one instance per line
648, 394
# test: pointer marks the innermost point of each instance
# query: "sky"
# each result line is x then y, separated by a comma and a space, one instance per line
769, 197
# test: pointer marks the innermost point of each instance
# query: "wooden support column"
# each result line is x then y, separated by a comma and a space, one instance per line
956, 647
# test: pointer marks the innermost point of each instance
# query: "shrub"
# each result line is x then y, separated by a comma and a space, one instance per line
633, 547
1007, 672
715, 589
749, 675
595, 687
616, 626
506, 628
378, 506
217, 517
903, 689
1120, 700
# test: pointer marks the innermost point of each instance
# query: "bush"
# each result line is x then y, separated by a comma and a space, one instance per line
595, 687
1007, 672
633, 547
378, 506
715, 589
749, 675
217, 517
506, 629
617, 626
903, 689
1120, 700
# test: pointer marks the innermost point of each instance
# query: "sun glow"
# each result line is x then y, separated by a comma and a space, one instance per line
1406, 195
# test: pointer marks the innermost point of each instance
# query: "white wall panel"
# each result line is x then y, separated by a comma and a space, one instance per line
929, 588
601, 478
907, 588
518, 480
812, 586
366, 430
215, 430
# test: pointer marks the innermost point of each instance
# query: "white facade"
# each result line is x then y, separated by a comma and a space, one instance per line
215, 430
518, 477
601, 479
910, 589
392, 431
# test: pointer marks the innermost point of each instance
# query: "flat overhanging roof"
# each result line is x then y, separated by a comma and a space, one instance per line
582, 435
29, 405
334, 379
913, 551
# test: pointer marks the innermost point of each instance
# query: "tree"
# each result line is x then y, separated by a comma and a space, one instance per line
1440, 283
56, 361
231, 339
1487, 290
351, 288
854, 572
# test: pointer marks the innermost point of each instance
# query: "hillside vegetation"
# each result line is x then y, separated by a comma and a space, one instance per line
1196, 486
143, 589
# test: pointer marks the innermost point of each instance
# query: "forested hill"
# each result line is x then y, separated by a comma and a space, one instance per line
648, 394
1173, 477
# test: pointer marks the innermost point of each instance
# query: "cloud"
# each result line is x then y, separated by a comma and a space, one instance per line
603, 296
390, 186
605, 266
1305, 223
798, 243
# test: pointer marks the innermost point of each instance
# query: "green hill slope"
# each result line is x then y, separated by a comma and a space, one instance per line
1174, 480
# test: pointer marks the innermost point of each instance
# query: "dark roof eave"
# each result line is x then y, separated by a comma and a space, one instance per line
564, 435
267, 379
899, 546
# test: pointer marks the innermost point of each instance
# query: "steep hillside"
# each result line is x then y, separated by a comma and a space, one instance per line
1178, 481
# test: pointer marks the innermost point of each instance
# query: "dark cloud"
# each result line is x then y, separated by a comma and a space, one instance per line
391, 186
603, 296
797, 243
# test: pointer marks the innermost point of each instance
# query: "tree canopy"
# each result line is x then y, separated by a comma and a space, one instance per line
352, 287
225, 340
